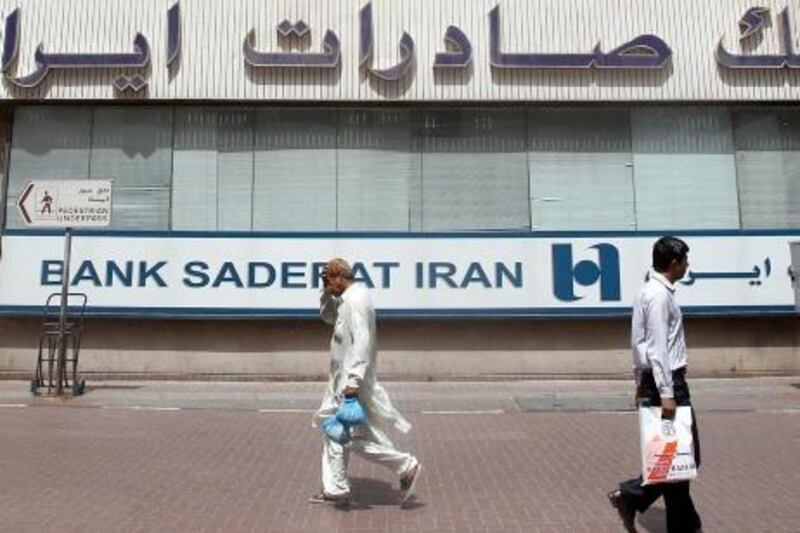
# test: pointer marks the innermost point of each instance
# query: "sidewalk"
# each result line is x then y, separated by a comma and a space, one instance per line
515, 456
746, 394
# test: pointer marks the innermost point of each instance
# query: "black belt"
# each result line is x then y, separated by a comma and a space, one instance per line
678, 372
680, 387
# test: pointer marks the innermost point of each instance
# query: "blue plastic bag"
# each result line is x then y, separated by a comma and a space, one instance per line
335, 430
351, 413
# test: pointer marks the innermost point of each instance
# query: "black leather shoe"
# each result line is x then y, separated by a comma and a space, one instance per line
626, 511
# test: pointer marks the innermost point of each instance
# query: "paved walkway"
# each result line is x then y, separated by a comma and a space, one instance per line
514, 456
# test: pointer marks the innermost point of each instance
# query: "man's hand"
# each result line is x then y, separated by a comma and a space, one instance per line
351, 391
324, 276
668, 407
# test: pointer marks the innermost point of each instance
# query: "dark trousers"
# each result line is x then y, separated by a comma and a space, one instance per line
681, 514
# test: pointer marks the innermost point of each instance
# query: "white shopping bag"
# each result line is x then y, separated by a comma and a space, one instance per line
667, 446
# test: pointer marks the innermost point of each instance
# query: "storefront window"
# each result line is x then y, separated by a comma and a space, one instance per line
304, 169
580, 169
133, 147
295, 170
48, 143
378, 173
474, 170
768, 166
684, 168
195, 168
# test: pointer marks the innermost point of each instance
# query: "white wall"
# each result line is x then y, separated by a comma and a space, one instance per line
408, 349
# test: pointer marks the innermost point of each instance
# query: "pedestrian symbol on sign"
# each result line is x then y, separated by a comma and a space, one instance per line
47, 204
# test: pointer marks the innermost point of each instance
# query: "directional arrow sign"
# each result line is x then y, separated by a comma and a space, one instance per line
66, 204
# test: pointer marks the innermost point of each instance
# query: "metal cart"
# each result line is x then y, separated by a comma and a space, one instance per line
47, 359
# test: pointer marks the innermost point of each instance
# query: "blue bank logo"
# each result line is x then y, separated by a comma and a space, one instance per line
587, 272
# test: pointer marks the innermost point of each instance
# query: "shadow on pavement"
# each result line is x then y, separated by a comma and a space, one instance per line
654, 520
369, 493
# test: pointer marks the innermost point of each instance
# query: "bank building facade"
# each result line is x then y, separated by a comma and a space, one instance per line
496, 170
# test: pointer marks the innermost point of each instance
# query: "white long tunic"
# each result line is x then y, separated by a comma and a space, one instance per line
353, 359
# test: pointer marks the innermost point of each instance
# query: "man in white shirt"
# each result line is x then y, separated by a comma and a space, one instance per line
348, 308
659, 360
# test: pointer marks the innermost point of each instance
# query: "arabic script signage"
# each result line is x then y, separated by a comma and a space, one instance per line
489, 41
430, 275
751, 27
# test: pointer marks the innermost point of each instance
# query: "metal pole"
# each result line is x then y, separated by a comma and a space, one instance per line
794, 272
62, 316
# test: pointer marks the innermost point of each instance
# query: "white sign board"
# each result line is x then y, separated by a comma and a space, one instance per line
66, 203
477, 275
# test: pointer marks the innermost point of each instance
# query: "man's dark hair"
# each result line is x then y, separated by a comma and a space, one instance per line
666, 250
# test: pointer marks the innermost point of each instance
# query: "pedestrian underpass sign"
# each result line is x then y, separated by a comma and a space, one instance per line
66, 203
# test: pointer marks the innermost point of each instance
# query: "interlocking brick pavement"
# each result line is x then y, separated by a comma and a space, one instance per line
96, 464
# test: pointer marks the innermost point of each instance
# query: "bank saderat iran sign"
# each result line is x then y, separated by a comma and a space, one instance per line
483, 275
232, 50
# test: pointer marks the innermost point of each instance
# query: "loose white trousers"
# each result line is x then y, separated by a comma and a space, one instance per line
374, 446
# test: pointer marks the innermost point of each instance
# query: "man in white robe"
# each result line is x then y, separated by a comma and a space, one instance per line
348, 308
